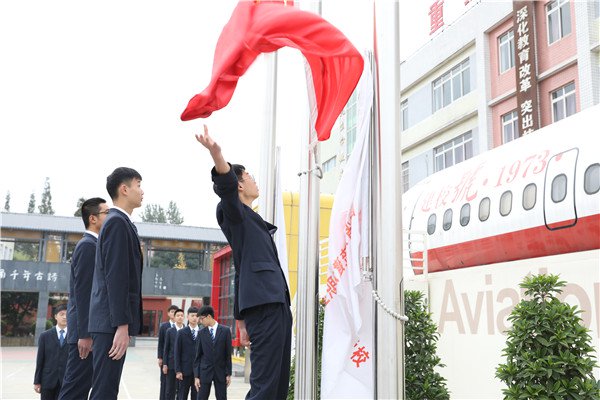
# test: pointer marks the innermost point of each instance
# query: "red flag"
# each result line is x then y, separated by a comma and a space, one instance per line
264, 26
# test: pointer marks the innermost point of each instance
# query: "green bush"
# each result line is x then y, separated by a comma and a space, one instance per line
548, 352
420, 343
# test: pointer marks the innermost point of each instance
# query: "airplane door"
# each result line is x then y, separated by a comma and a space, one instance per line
559, 190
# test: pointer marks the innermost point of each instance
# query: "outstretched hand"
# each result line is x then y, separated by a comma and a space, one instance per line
208, 142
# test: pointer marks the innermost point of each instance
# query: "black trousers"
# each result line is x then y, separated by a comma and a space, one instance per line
220, 390
50, 394
171, 385
107, 372
185, 387
270, 329
78, 375
163, 385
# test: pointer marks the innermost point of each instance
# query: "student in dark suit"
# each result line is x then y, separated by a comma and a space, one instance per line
213, 356
78, 376
52, 357
185, 352
172, 384
262, 299
116, 301
162, 330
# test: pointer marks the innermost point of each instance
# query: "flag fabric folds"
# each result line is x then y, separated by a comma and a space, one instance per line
264, 26
348, 346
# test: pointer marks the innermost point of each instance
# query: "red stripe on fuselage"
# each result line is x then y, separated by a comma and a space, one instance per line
518, 245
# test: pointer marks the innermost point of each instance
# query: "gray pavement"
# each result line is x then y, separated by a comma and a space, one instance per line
140, 378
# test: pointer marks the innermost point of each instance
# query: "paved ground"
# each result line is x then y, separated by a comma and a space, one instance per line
140, 378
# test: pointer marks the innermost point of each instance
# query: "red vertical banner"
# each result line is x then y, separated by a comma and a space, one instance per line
525, 66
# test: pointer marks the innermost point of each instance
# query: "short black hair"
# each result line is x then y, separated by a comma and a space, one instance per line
193, 309
119, 176
90, 207
59, 308
238, 169
207, 310
172, 307
178, 310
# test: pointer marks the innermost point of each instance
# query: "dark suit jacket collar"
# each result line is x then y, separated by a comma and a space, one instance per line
87, 235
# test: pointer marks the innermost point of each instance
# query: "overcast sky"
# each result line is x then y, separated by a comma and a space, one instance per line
86, 87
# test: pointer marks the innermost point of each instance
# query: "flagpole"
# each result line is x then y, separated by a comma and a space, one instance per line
388, 268
266, 202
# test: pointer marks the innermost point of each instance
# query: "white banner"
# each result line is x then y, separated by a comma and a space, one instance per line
347, 361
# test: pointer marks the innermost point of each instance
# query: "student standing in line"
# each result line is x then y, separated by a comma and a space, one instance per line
185, 352
162, 330
78, 376
172, 384
116, 301
51, 358
213, 356
262, 299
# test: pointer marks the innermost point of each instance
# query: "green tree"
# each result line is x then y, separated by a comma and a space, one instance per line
548, 351
173, 214
420, 344
154, 213
46, 203
31, 206
79, 204
7, 202
16, 306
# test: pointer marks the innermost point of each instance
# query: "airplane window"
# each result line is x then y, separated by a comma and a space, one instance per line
431, 224
484, 209
447, 219
591, 179
529, 196
505, 203
465, 214
559, 188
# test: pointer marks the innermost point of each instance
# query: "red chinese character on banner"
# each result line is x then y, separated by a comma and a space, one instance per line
339, 266
360, 355
436, 13
332, 282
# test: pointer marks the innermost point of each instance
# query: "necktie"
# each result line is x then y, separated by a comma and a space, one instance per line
194, 333
212, 334
62, 337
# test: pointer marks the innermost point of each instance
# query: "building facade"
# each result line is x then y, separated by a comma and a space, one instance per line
35, 255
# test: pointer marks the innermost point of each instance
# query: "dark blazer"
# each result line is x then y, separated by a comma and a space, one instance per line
185, 351
117, 285
169, 351
162, 331
259, 278
213, 361
51, 360
80, 288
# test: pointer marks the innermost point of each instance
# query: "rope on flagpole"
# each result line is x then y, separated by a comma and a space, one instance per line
387, 309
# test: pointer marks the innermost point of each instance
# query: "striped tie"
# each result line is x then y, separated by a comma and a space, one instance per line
62, 337
212, 334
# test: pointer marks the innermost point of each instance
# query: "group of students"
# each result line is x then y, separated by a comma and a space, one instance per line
106, 282
191, 358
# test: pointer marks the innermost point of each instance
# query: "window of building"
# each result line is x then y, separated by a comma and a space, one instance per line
453, 152
563, 102
559, 188
404, 113
431, 224
506, 51
510, 126
179, 259
591, 179
19, 250
465, 214
451, 86
447, 224
558, 13
484, 209
529, 196
351, 122
405, 183
329, 165
505, 203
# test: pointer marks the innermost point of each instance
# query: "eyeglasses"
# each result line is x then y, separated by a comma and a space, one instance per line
102, 212
250, 176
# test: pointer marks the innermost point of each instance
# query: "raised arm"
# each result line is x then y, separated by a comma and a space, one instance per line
221, 166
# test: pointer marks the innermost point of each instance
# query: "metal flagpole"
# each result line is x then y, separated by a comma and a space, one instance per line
389, 372
308, 260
